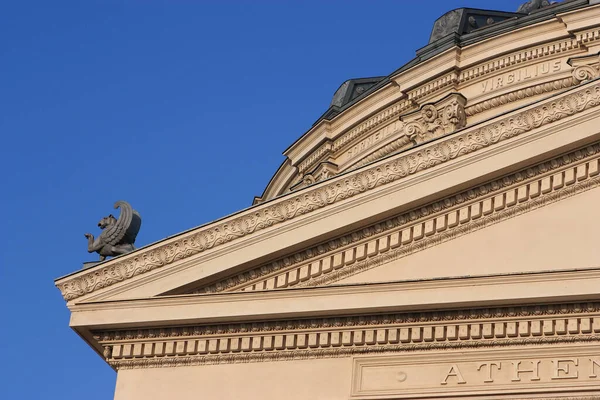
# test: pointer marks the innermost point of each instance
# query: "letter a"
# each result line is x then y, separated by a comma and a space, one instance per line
454, 371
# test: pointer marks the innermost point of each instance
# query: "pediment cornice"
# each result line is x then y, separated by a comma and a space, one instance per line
418, 229
337, 190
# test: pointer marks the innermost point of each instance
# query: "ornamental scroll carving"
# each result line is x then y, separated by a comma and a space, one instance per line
585, 68
435, 120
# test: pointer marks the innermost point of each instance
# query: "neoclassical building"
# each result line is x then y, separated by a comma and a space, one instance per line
435, 234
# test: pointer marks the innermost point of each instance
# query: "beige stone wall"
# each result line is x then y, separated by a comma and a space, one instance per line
326, 379
532, 372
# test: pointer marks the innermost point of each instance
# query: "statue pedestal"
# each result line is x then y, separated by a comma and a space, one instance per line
90, 264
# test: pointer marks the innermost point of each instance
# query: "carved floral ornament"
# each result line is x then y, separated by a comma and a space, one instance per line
291, 206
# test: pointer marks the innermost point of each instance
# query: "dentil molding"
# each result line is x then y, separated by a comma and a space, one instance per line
348, 336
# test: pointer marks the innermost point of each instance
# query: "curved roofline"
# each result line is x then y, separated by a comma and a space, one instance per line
436, 47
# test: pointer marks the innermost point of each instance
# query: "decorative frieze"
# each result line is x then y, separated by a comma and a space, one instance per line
279, 211
347, 336
403, 142
502, 372
427, 226
472, 217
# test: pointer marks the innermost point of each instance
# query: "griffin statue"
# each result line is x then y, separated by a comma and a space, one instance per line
118, 235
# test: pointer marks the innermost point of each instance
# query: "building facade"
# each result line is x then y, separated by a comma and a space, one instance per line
433, 235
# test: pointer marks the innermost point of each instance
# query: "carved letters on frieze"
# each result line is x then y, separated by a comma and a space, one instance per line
521, 75
521, 94
516, 371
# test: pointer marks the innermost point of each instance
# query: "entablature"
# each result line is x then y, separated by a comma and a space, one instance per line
398, 317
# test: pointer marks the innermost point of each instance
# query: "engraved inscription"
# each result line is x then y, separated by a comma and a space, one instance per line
455, 373
489, 366
520, 75
483, 371
375, 138
525, 370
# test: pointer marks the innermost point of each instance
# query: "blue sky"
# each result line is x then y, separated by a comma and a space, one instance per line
180, 107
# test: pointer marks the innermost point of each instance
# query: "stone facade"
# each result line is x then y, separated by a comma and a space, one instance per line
435, 237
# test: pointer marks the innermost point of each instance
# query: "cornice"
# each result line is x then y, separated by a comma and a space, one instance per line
588, 36
429, 225
352, 335
344, 187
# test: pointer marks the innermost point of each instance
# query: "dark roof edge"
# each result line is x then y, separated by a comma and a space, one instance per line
452, 40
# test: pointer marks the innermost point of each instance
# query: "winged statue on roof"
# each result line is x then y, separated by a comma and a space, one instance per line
118, 235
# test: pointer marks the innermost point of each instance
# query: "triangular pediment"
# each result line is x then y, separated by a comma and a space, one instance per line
372, 224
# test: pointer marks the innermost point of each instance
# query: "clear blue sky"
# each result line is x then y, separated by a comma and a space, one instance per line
180, 107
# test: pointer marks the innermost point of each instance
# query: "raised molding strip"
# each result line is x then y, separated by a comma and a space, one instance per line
261, 217
416, 230
347, 336
521, 94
